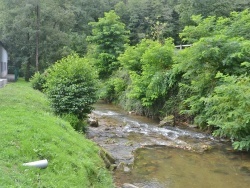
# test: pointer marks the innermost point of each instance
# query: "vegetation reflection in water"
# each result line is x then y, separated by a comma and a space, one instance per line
176, 168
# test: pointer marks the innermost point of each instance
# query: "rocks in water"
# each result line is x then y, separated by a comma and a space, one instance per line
126, 169
205, 147
131, 112
128, 185
107, 158
192, 126
123, 167
200, 147
167, 121
92, 121
245, 170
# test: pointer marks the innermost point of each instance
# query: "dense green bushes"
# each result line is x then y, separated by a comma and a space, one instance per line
227, 108
38, 81
71, 85
109, 36
206, 84
214, 77
156, 80
138, 84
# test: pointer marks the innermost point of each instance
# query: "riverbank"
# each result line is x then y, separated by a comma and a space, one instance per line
148, 156
30, 132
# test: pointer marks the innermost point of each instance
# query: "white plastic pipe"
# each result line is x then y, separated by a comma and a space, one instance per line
38, 164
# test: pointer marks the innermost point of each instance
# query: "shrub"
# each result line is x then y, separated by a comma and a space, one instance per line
148, 84
76, 123
114, 87
228, 109
71, 86
38, 81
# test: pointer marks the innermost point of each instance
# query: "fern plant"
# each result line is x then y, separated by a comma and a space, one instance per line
228, 109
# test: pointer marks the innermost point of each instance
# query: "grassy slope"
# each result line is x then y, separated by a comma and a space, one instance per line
30, 132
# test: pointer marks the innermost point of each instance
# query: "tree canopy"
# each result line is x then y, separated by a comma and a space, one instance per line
38, 33
109, 36
130, 44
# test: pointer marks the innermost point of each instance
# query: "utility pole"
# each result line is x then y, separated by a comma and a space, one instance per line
37, 35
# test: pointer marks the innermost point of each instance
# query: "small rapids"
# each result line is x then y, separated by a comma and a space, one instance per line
166, 157
141, 127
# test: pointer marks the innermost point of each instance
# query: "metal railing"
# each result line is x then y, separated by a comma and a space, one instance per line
182, 46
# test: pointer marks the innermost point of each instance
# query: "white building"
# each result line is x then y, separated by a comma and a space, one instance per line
3, 65
3, 61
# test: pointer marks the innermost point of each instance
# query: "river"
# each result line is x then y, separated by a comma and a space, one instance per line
169, 157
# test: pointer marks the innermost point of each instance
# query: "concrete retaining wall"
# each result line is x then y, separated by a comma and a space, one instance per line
3, 82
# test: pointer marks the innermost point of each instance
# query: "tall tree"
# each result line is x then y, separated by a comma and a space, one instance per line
26, 22
109, 37
148, 19
18, 30
205, 8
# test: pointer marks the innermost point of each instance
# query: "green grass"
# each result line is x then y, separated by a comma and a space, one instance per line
29, 131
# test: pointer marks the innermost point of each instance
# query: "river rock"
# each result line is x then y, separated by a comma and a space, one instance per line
128, 185
126, 169
167, 121
107, 158
93, 122
192, 126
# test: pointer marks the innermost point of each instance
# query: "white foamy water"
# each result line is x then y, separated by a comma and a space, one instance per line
132, 125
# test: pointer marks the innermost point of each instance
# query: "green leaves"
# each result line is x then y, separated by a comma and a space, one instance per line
109, 35
214, 84
243, 144
228, 108
237, 25
71, 86
199, 66
146, 64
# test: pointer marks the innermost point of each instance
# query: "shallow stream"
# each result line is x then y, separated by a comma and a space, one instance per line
151, 157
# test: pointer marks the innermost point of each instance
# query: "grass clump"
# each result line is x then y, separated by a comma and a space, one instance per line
30, 132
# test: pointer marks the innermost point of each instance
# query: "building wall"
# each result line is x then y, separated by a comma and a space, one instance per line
3, 62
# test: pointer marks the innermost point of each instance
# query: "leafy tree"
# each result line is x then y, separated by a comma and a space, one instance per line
121, 9
228, 109
109, 36
131, 58
141, 17
239, 24
38, 33
213, 76
198, 66
146, 64
130, 61
203, 28
240, 5
233, 26
113, 89
38, 81
87, 11
205, 8
211, 54
71, 86
20, 31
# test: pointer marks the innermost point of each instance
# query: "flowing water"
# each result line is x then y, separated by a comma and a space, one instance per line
168, 157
